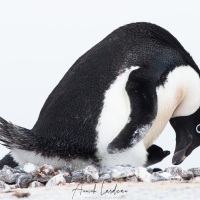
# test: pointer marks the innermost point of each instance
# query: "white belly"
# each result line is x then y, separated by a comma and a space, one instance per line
114, 116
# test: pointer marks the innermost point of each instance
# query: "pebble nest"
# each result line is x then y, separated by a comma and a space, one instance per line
31, 176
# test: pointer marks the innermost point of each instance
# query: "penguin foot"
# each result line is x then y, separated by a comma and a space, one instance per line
155, 155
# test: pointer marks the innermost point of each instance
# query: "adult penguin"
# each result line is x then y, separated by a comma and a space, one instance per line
112, 103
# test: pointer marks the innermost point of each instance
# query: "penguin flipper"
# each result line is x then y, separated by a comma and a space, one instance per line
143, 100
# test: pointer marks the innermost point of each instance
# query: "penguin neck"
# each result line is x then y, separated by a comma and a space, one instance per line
178, 96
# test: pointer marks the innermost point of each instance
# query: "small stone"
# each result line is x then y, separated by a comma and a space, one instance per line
47, 169
133, 179
122, 171
104, 171
35, 184
195, 171
176, 178
92, 171
174, 170
187, 175
160, 176
196, 179
19, 169
8, 175
23, 180
31, 169
106, 178
4, 186
157, 170
67, 177
56, 180
42, 178
142, 174
80, 177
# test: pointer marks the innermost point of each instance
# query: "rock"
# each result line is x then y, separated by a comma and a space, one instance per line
19, 169
187, 175
157, 170
56, 180
132, 179
47, 169
196, 179
92, 171
122, 171
106, 178
195, 171
35, 184
142, 174
23, 180
67, 177
31, 169
8, 175
160, 176
80, 177
174, 170
176, 178
4, 186
42, 178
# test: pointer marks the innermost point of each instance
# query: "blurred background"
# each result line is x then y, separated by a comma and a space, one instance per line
41, 39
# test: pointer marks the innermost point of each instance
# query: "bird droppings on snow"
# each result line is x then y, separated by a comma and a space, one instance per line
32, 176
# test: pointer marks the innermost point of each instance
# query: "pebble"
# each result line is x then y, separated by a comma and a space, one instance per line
8, 175
46, 169
187, 175
160, 176
122, 172
33, 176
142, 174
23, 180
35, 184
92, 171
106, 177
195, 171
174, 170
56, 180
132, 179
80, 177
31, 169
4, 186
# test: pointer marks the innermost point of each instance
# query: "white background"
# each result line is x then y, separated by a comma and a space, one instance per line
40, 40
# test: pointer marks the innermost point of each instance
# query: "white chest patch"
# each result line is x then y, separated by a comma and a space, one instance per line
180, 96
113, 118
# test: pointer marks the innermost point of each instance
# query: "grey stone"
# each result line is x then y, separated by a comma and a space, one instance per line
122, 172
176, 178
142, 174
160, 176
47, 169
31, 169
35, 184
43, 178
56, 180
106, 177
4, 186
132, 179
92, 171
80, 177
187, 175
174, 170
195, 171
8, 175
23, 180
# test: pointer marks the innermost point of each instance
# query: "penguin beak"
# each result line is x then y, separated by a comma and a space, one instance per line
179, 155
183, 142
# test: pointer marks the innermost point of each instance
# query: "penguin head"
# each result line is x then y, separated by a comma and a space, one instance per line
187, 130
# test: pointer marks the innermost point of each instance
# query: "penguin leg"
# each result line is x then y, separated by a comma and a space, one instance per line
155, 155
143, 100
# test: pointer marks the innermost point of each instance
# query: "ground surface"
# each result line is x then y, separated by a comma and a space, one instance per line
132, 191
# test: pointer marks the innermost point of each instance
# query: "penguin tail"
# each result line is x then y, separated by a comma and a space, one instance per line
13, 136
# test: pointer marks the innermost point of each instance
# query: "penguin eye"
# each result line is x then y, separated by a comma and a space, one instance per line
198, 128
